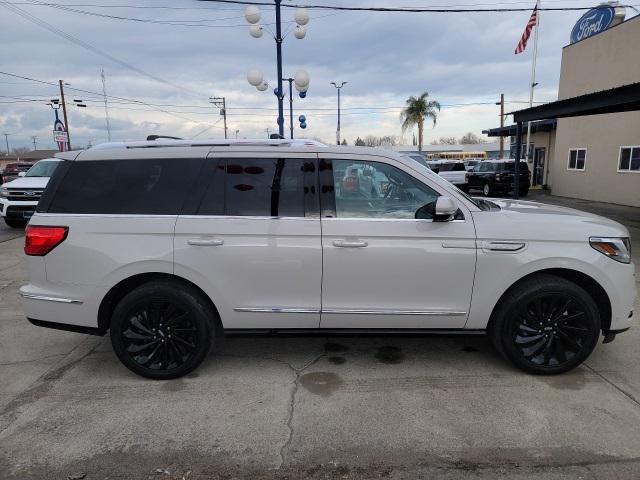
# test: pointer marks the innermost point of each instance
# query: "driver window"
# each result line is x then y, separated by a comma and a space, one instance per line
377, 190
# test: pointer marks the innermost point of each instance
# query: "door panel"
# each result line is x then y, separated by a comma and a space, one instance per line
262, 270
386, 272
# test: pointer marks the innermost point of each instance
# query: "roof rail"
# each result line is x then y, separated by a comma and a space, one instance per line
169, 142
156, 137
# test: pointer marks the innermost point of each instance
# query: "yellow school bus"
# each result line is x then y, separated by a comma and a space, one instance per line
457, 155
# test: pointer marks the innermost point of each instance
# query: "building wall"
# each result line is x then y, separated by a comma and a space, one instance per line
609, 59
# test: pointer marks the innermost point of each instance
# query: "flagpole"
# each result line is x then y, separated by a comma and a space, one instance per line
533, 73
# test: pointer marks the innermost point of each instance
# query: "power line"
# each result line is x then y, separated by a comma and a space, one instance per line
140, 102
410, 9
87, 46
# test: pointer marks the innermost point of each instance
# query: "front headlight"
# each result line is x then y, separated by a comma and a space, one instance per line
618, 249
4, 192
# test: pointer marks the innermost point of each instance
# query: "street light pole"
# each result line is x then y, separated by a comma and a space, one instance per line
279, 60
255, 77
290, 80
339, 87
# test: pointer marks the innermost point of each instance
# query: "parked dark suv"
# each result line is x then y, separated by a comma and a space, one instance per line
495, 177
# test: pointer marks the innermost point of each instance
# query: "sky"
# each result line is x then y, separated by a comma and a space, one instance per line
163, 64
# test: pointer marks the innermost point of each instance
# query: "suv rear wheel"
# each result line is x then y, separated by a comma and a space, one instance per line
163, 329
486, 189
546, 325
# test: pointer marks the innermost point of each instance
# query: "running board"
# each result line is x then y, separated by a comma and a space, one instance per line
353, 331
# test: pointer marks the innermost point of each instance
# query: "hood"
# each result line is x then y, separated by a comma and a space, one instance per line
27, 182
522, 219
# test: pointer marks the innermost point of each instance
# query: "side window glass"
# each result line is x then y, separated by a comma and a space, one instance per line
377, 190
145, 186
213, 200
266, 187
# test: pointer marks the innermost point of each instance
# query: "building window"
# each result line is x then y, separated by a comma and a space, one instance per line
629, 159
577, 158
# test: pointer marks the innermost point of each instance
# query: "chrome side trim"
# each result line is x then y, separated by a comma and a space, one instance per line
350, 311
50, 299
502, 246
393, 312
276, 310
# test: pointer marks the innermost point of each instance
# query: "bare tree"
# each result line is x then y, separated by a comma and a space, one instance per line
471, 138
445, 141
359, 142
373, 141
20, 151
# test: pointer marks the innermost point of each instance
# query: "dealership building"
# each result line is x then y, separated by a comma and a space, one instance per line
594, 157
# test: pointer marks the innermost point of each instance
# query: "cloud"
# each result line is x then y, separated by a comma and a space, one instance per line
385, 57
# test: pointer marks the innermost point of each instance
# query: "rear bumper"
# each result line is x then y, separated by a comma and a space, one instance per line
64, 307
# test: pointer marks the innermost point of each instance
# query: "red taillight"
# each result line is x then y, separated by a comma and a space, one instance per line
40, 240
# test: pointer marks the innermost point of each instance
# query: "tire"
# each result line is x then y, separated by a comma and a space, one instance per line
546, 325
524, 192
15, 223
138, 321
486, 190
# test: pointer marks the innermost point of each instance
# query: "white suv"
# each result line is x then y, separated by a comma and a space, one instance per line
168, 244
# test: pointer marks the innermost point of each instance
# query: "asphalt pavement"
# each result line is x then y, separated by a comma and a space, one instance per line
352, 407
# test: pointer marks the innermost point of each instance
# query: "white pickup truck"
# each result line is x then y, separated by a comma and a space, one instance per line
19, 197
453, 171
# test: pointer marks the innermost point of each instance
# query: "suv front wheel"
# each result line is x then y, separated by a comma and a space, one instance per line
163, 329
546, 325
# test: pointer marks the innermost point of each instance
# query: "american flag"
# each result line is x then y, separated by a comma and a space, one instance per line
522, 44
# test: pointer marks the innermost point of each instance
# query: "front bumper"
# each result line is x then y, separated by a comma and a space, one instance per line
17, 210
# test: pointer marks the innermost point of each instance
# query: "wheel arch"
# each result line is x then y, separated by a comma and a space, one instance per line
119, 290
589, 284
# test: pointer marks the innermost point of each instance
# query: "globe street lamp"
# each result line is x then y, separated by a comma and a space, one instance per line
339, 87
252, 15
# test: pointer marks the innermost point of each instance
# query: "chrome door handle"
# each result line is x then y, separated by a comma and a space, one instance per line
349, 244
205, 242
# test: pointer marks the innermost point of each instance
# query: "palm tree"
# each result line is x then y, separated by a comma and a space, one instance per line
418, 109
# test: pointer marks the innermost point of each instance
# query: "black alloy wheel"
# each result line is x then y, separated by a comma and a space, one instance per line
547, 325
162, 330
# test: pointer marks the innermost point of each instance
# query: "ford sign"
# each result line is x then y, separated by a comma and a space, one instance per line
594, 21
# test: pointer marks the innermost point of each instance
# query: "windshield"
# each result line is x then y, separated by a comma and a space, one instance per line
43, 169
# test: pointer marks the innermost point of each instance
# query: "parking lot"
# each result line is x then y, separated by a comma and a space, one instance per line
315, 407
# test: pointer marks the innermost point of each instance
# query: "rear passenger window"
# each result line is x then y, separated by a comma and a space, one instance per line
149, 186
268, 186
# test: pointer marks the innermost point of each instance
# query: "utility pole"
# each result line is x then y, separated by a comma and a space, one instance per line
339, 87
221, 103
501, 103
64, 114
267, 130
6, 139
34, 138
106, 108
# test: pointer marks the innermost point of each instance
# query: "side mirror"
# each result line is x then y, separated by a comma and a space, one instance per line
22, 174
445, 210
